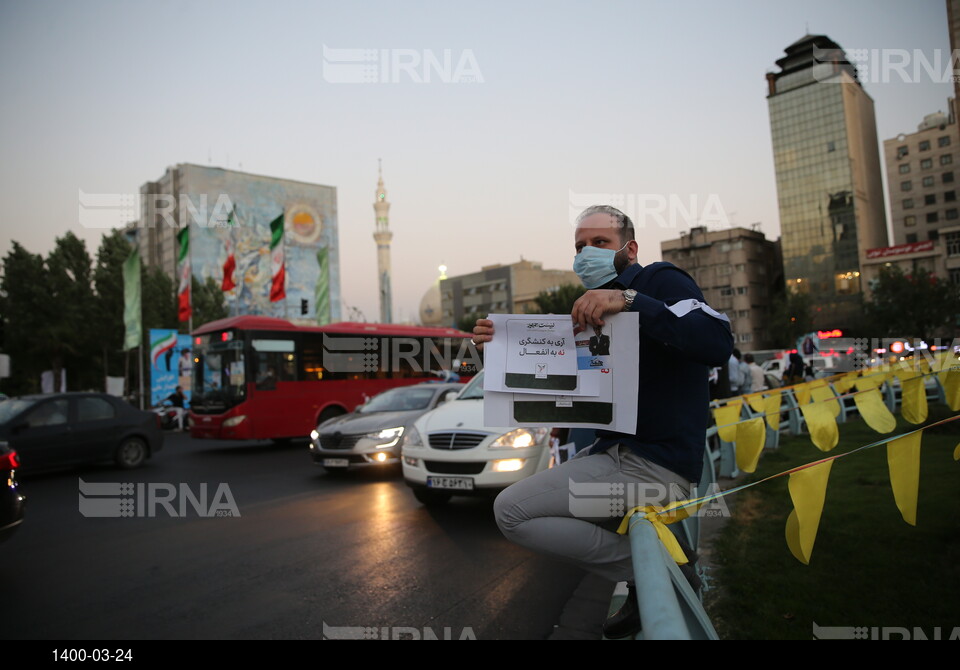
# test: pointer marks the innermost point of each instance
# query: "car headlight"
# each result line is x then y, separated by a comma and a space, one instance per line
520, 438
390, 435
413, 438
234, 421
314, 435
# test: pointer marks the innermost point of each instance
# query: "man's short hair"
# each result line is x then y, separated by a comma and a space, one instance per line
748, 358
622, 221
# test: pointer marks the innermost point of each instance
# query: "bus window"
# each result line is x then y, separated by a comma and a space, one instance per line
274, 361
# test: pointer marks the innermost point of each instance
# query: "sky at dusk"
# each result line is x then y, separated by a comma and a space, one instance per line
546, 107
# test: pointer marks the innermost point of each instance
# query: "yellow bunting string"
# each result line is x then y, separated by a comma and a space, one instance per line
802, 535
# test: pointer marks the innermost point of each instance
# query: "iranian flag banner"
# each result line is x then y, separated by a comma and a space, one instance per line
183, 259
231, 263
278, 289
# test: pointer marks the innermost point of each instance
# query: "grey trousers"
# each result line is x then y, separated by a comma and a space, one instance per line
571, 512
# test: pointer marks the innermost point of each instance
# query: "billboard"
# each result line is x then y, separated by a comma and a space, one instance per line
171, 364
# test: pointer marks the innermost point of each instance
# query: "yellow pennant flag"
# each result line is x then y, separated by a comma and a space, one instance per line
808, 489
802, 393
871, 380
771, 409
956, 453
913, 398
822, 425
903, 459
750, 438
726, 418
950, 379
755, 400
846, 382
823, 393
874, 411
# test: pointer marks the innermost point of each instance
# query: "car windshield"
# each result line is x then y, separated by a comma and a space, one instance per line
399, 400
474, 390
11, 408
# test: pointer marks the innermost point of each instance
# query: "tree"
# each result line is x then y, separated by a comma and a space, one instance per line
790, 317
69, 338
108, 283
208, 302
917, 305
159, 300
559, 300
24, 307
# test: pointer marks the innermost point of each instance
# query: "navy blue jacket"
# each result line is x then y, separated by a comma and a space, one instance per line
675, 355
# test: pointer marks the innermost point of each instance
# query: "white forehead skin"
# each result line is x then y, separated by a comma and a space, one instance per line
598, 230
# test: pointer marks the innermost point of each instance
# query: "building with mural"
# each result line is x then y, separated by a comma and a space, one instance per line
203, 198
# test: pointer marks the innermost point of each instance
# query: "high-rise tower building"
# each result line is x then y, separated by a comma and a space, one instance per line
829, 187
382, 235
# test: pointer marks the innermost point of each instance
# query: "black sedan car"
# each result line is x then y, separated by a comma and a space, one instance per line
12, 501
63, 429
375, 432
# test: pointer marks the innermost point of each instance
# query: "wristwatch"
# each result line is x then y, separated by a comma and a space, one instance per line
628, 297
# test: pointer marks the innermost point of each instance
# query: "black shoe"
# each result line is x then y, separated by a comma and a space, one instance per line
625, 622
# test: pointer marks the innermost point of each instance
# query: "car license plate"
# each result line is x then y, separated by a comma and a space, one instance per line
336, 462
460, 483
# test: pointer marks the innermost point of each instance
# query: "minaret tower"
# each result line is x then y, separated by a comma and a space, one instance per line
382, 235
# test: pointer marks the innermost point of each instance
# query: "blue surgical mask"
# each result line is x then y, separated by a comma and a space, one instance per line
595, 266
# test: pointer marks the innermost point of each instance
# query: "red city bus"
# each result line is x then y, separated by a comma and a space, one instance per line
257, 377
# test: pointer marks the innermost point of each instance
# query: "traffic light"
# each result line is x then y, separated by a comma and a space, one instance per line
303, 305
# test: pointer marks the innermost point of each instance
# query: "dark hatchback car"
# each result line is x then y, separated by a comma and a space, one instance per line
12, 501
374, 433
63, 429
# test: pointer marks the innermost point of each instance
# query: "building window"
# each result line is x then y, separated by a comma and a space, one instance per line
949, 196
908, 203
911, 238
925, 145
946, 159
910, 220
743, 314
902, 151
955, 276
926, 164
943, 141
726, 290
932, 217
953, 244
948, 177
746, 337
951, 214
724, 270
930, 199
740, 267
831, 146
906, 185
904, 168
928, 181
741, 290
933, 235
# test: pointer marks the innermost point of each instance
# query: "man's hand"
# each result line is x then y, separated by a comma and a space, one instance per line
592, 305
482, 332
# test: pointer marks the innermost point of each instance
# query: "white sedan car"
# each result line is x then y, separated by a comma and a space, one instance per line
450, 452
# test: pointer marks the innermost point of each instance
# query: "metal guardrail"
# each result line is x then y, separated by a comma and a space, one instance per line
669, 608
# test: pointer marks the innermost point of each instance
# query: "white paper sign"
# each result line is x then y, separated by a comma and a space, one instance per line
607, 372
